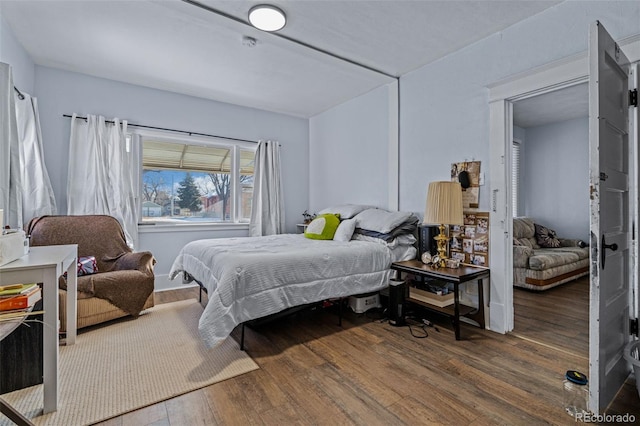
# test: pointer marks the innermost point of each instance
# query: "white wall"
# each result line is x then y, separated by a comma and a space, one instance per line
12, 53
444, 105
555, 185
444, 111
347, 153
62, 92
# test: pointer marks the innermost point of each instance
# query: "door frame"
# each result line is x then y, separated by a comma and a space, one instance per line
556, 75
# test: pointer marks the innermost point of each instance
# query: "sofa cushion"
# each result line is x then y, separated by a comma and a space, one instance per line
521, 256
550, 258
582, 252
546, 237
523, 228
524, 232
551, 273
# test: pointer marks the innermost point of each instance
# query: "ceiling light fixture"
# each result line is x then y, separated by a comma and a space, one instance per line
267, 18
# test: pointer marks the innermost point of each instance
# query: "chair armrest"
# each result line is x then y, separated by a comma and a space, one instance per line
568, 242
143, 261
521, 256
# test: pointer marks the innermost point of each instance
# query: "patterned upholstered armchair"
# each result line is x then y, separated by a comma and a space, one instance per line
124, 281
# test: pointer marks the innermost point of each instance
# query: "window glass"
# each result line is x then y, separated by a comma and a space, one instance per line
188, 182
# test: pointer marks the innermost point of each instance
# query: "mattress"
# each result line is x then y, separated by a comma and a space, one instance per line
252, 277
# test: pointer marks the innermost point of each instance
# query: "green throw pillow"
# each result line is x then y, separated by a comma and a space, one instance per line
323, 227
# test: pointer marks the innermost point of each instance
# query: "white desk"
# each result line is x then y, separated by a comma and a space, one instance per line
45, 265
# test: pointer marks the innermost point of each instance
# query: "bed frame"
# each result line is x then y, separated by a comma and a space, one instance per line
187, 278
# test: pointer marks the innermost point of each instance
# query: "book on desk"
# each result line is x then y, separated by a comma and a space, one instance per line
16, 298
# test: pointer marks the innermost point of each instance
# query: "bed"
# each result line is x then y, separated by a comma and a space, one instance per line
248, 278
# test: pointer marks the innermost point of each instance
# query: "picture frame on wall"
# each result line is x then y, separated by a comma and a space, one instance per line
469, 243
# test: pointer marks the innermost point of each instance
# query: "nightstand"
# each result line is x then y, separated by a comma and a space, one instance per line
455, 310
302, 227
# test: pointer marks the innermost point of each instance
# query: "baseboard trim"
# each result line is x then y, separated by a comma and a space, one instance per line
162, 283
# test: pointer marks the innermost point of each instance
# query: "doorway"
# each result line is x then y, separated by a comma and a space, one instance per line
550, 185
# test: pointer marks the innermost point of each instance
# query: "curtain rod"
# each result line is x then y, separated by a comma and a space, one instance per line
20, 95
170, 130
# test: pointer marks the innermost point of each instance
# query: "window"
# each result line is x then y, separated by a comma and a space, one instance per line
195, 180
515, 176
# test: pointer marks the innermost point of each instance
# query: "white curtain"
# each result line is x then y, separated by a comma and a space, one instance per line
267, 209
10, 175
37, 193
101, 169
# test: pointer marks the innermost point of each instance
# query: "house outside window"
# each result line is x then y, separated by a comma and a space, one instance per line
195, 180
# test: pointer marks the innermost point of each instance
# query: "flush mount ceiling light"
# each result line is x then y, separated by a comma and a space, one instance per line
267, 18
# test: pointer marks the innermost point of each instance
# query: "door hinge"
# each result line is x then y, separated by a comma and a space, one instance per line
603, 176
633, 97
633, 326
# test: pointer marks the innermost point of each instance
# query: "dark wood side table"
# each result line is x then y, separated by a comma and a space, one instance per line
457, 276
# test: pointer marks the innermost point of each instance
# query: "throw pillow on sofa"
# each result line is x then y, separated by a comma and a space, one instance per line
546, 237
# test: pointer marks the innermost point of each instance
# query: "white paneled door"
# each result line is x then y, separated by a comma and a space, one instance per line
611, 222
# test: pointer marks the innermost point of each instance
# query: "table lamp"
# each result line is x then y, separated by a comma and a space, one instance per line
444, 207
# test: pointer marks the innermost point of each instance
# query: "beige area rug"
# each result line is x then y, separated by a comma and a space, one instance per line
131, 364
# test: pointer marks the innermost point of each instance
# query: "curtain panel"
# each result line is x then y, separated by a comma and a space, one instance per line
25, 187
10, 176
37, 193
101, 168
267, 208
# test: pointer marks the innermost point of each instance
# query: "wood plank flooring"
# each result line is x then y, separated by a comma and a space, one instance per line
369, 372
558, 317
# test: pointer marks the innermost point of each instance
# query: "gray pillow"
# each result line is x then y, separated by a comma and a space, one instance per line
346, 211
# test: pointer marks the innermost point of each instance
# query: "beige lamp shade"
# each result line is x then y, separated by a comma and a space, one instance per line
444, 204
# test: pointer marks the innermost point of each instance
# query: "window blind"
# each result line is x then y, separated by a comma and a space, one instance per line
515, 177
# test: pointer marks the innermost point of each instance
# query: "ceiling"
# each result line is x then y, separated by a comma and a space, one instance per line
552, 107
177, 46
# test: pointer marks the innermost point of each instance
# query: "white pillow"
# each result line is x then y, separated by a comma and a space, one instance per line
345, 230
346, 211
381, 220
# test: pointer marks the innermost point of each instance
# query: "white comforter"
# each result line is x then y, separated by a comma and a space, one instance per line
251, 277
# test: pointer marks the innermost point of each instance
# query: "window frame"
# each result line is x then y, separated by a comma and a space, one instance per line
516, 176
139, 135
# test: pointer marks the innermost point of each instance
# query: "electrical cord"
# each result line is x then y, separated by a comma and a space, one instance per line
417, 326
422, 323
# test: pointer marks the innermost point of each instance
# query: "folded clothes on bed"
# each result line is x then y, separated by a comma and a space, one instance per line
385, 225
384, 221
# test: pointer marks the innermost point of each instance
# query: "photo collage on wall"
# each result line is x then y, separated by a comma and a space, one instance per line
471, 193
469, 243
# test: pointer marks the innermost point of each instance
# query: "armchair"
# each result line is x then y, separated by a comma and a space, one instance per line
124, 282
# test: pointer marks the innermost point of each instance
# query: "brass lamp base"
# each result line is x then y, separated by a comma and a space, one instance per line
442, 240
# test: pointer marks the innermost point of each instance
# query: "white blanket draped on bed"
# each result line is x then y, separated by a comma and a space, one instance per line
251, 277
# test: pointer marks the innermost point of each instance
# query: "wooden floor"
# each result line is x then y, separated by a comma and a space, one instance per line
558, 317
368, 372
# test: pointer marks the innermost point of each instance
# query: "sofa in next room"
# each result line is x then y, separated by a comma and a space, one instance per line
541, 260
